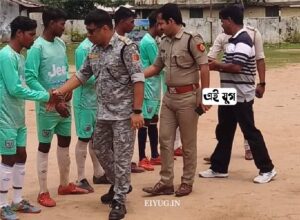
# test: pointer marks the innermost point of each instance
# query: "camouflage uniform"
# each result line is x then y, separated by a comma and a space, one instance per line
115, 77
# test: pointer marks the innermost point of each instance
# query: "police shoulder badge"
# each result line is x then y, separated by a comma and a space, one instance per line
135, 57
201, 47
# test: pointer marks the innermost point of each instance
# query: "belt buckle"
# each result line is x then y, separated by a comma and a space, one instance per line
172, 90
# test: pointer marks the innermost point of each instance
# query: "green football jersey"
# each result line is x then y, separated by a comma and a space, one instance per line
13, 89
46, 67
84, 96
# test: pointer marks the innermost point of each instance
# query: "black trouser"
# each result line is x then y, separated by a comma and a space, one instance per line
153, 136
229, 116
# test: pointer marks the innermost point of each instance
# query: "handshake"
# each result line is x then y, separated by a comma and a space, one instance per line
58, 102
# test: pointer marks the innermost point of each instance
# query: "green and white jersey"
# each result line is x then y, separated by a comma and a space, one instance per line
46, 67
13, 89
149, 51
85, 95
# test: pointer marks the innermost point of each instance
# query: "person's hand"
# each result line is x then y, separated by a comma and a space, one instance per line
259, 91
213, 64
62, 109
57, 102
68, 96
53, 100
205, 107
137, 121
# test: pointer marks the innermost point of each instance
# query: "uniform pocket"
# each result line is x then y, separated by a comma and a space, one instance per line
184, 60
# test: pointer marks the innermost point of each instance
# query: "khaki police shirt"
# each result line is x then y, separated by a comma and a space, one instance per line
114, 78
221, 42
180, 68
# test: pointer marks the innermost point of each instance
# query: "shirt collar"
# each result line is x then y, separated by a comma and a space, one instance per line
113, 39
238, 33
180, 33
177, 36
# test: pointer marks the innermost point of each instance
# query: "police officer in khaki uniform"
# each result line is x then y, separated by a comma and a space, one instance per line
220, 44
182, 55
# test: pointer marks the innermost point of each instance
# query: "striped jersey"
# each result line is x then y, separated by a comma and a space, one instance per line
240, 50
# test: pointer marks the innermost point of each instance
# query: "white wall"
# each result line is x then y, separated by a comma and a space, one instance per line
272, 30
8, 11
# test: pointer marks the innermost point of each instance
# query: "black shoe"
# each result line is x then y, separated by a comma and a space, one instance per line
84, 184
108, 197
118, 211
100, 180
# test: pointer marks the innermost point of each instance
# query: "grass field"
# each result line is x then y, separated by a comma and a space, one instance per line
282, 54
277, 55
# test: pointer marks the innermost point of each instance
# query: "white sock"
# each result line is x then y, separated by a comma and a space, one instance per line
63, 160
42, 170
98, 170
5, 183
80, 154
18, 181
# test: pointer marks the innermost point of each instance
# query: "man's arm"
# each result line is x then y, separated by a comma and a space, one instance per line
157, 64
32, 68
225, 67
133, 66
152, 71
204, 76
198, 51
261, 69
138, 98
14, 86
76, 80
217, 47
71, 84
260, 64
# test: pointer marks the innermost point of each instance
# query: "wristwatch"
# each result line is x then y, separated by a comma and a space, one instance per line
263, 84
137, 111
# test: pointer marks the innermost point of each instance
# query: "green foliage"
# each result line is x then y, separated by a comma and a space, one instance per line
76, 36
78, 9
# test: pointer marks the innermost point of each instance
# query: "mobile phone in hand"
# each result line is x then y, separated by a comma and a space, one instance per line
199, 110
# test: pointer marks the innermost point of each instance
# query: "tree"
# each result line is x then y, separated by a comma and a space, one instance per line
78, 9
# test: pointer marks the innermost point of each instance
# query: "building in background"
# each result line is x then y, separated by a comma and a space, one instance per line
9, 9
207, 8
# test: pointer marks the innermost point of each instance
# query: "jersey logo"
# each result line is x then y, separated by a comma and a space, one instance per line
57, 71
46, 133
149, 109
88, 128
9, 144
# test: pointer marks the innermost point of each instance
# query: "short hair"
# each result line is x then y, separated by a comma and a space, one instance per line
22, 23
123, 13
53, 14
152, 18
171, 10
98, 17
234, 12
